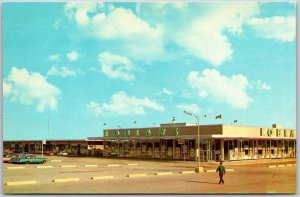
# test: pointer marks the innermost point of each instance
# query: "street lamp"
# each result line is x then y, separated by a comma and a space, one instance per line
198, 149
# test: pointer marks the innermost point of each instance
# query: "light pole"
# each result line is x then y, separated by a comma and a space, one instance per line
198, 149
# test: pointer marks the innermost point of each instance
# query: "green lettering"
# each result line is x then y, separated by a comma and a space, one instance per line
292, 133
137, 132
148, 133
175, 131
161, 132
127, 133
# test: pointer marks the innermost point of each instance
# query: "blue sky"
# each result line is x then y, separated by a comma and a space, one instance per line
81, 65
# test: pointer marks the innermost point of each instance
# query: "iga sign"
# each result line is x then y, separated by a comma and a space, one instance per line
277, 133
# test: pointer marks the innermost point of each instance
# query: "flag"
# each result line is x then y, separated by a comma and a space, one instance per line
134, 122
235, 121
219, 116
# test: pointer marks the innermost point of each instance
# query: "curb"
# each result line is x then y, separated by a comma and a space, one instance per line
132, 164
163, 173
65, 180
15, 167
280, 166
20, 183
229, 170
273, 166
91, 165
187, 172
44, 166
136, 175
68, 166
102, 177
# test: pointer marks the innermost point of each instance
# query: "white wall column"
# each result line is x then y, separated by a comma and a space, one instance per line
222, 149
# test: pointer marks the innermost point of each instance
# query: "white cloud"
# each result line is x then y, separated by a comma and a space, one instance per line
115, 66
205, 38
32, 88
220, 88
166, 91
7, 88
79, 11
62, 71
279, 28
262, 85
72, 56
121, 104
54, 57
193, 108
138, 39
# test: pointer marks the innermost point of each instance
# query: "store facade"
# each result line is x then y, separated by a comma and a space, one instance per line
217, 142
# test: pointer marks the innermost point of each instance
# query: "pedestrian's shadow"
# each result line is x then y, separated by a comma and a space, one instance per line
202, 182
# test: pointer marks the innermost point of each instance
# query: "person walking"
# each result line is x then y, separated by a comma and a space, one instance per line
222, 171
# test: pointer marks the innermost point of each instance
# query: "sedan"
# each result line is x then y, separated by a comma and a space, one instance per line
28, 159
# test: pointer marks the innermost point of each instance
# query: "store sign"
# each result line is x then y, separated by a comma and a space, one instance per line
277, 133
147, 132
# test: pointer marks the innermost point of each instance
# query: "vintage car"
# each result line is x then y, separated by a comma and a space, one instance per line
62, 153
50, 153
27, 159
7, 158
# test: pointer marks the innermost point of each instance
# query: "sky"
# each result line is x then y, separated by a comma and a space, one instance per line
72, 70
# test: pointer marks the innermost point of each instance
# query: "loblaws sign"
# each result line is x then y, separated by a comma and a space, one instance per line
143, 132
277, 133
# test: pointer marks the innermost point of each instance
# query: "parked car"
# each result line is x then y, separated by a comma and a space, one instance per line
27, 159
50, 153
7, 158
62, 153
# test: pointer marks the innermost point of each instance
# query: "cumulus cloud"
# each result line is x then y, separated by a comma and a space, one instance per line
193, 108
262, 85
62, 71
121, 104
166, 91
31, 89
54, 57
205, 38
220, 88
139, 40
279, 28
115, 66
72, 56
7, 89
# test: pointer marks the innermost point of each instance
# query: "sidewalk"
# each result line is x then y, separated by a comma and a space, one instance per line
260, 161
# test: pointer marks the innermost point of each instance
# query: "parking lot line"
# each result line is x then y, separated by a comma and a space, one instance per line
210, 170
65, 180
136, 175
187, 172
163, 173
15, 167
272, 166
44, 166
20, 183
68, 166
54, 160
280, 165
92, 165
132, 164
113, 165
102, 177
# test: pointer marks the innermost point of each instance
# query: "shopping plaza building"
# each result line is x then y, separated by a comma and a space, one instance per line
178, 141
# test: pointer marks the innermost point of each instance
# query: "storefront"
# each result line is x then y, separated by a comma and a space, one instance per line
217, 142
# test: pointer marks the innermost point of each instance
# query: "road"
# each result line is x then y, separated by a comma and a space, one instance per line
248, 177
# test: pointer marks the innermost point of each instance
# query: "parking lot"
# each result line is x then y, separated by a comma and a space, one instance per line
110, 175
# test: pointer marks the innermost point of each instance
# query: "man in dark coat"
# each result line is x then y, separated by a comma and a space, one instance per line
221, 170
